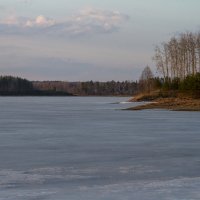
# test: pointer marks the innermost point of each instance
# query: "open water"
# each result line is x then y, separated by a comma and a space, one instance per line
87, 148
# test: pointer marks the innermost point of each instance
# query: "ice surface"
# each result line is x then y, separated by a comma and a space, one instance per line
73, 148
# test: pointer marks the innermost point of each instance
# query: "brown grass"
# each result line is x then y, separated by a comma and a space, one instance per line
176, 102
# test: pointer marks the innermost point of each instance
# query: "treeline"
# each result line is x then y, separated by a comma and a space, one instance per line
190, 85
90, 88
125, 88
15, 86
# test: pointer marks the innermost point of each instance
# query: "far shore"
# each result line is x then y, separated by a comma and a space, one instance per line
173, 103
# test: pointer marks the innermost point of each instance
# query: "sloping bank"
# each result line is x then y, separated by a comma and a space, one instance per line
173, 103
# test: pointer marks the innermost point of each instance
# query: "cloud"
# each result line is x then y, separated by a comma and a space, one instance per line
11, 20
86, 22
40, 21
22, 22
96, 21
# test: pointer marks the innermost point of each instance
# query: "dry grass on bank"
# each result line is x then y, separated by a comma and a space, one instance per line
176, 102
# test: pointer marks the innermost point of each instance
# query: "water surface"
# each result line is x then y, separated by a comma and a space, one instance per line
87, 148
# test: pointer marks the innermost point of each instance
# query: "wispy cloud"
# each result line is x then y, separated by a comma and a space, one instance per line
86, 22
22, 22
96, 21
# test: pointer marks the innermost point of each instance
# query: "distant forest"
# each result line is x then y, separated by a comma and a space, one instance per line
90, 88
15, 86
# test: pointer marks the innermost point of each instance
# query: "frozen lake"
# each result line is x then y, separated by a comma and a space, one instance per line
87, 148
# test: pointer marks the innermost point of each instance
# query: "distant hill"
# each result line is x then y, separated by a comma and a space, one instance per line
15, 86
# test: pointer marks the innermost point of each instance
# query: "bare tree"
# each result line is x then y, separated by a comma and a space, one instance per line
159, 59
146, 82
179, 57
198, 50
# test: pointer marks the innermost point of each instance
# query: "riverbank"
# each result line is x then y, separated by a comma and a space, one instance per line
171, 103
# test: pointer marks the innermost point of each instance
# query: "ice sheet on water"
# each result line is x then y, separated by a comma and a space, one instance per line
39, 176
79, 149
176, 189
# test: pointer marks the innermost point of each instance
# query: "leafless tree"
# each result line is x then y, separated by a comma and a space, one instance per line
146, 83
179, 57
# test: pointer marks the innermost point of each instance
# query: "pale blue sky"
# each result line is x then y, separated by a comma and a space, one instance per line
84, 40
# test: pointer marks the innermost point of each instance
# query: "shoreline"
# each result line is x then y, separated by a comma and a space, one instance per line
173, 104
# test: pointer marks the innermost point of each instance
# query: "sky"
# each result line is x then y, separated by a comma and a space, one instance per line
81, 40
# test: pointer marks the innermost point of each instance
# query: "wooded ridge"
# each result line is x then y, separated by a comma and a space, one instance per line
11, 86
